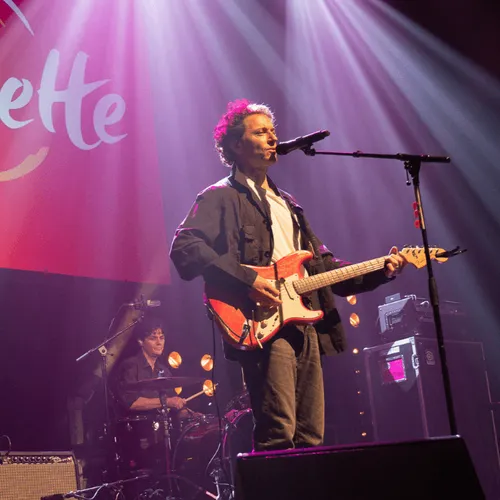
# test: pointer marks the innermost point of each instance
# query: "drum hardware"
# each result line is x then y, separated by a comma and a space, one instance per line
102, 348
217, 473
196, 465
161, 384
239, 402
166, 440
196, 453
115, 487
145, 443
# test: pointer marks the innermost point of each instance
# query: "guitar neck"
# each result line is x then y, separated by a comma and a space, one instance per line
312, 283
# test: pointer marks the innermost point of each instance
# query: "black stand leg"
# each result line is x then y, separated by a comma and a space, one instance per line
167, 445
412, 166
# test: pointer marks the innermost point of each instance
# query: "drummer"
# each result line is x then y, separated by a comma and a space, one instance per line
148, 363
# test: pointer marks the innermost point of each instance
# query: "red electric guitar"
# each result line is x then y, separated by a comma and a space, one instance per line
247, 326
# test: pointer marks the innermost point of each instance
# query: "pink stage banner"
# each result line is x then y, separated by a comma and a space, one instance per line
80, 190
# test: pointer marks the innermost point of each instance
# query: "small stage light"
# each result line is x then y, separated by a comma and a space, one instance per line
208, 388
174, 359
354, 320
207, 363
352, 299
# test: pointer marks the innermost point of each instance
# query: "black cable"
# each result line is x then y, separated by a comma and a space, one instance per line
213, 314
113, 319
7, 438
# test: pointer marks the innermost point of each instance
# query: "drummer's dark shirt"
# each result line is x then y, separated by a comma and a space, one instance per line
132, 370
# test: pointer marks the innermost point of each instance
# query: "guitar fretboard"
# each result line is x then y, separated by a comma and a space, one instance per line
312, 283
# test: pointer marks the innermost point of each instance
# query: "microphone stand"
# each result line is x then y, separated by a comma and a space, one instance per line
103, 351
412, 164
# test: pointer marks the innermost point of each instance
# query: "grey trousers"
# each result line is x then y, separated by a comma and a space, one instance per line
285, 383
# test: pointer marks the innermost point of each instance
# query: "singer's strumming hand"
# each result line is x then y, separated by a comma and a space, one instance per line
264, 293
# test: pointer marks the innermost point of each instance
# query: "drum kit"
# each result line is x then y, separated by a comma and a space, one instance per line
192, 457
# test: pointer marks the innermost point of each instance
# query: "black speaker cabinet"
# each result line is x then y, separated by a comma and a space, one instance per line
407, 400
33, 475
433, 469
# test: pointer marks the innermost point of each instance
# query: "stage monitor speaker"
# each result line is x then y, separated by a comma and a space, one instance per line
33, 475
432, 469
407, 398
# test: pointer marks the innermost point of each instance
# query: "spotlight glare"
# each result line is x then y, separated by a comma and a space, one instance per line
355, 350
174, 359
352, 299
208, 388
354, 320
207, 363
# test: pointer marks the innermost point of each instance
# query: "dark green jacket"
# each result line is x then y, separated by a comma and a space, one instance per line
228, 225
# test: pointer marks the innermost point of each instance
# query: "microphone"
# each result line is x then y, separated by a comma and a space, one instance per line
305, 141
143, 304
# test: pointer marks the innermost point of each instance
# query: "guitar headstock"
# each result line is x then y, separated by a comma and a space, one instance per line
416, 255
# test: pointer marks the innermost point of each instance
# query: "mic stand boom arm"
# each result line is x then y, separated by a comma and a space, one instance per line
412, 164
103, 351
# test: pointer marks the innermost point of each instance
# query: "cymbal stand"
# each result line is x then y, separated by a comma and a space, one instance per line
169, 473
167, 443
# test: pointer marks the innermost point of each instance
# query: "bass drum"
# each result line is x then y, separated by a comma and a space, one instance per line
197, 455
237, 438
140, 444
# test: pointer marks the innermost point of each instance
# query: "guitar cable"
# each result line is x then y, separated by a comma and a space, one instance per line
9, 449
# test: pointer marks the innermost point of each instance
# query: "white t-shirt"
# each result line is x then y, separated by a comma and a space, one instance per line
281, 216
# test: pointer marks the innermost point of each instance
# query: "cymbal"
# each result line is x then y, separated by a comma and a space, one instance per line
163, 383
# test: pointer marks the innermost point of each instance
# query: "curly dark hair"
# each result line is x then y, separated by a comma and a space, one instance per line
230, 126
146, 327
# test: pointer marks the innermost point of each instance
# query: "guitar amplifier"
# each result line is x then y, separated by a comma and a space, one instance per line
400, 317
33, 475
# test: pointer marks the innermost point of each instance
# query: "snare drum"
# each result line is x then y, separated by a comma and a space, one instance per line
140, 443
239, 402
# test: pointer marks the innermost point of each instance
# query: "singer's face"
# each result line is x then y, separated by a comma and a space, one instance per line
154, 343
256, 150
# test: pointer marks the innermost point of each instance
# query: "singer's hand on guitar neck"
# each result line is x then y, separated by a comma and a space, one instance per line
264, 294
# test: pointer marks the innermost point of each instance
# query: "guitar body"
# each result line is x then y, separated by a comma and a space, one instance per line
247, 326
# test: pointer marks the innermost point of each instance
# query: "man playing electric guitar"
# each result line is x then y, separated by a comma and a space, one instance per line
242, 221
